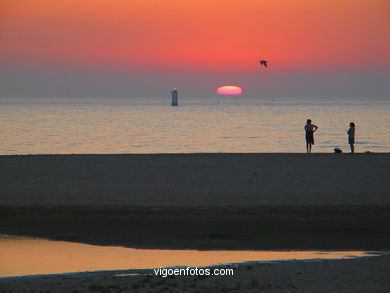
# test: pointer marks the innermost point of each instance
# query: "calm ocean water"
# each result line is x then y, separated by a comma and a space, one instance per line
65, 126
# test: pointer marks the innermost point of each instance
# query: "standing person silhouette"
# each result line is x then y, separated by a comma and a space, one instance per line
351, 136
310, 129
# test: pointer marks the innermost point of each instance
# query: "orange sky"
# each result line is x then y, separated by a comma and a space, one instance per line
196, 34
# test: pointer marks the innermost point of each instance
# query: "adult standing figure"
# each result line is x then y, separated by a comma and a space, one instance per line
351, 136
310, 129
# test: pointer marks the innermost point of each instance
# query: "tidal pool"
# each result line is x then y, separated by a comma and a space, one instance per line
21, 256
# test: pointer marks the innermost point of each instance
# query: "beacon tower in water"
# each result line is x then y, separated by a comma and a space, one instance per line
175, 97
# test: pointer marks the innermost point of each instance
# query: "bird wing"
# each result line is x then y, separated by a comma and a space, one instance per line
264, 63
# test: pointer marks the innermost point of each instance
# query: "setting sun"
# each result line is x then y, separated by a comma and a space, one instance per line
229, 90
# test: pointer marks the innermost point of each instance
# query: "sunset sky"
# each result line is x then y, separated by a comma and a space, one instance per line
142, 48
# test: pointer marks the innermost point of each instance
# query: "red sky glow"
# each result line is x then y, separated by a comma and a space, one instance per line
217, 34
219, 40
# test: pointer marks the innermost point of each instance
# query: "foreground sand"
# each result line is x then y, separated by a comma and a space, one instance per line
369, 274
206, 201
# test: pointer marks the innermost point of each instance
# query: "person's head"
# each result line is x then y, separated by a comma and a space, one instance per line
351, 124
308, 121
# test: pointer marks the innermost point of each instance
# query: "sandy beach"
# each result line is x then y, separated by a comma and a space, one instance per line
195, 180
208, 201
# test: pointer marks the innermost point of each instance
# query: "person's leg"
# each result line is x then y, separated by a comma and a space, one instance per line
307, 147
352, 148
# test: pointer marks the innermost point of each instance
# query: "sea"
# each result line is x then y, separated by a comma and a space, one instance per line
197, 125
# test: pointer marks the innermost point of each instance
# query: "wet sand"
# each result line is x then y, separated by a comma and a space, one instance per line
280, 227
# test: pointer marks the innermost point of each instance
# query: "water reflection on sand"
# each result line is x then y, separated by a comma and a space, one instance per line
26, 256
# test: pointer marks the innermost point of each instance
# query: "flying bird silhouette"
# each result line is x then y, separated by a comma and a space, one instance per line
264, 63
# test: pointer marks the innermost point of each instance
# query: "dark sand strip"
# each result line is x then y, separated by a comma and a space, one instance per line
272, 227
